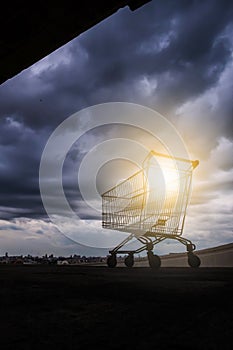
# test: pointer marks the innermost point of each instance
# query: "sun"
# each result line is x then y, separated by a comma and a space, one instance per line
162, 175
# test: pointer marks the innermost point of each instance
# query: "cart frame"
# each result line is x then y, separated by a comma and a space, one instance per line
168, 225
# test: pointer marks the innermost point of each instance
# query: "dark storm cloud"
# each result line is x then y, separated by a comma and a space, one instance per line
180, 44
180, 38
20, 149
10, 227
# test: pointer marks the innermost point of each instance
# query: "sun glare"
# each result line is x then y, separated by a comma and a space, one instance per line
162, 175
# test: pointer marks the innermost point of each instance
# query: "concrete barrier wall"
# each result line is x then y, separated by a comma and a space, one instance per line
221, 256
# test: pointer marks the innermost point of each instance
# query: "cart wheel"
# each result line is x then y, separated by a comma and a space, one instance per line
193, 260
129, 260
112, 260
154, 260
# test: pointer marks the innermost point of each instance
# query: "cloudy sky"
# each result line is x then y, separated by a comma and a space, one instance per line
175, 57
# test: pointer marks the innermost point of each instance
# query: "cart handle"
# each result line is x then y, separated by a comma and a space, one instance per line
194, 163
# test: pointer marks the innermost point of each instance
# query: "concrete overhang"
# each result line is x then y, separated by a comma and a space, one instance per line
31, 31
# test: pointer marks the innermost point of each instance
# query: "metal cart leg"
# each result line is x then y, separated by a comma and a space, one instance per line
193, 259
148, 245
154, 260
112, 260
129, 260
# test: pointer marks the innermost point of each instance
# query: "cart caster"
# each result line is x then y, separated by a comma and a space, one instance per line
193, 260
129, 260
154, 260
112, 260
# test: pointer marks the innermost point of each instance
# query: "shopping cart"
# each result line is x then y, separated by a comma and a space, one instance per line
151, 206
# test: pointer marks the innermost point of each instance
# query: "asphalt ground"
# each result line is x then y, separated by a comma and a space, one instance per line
76, 307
